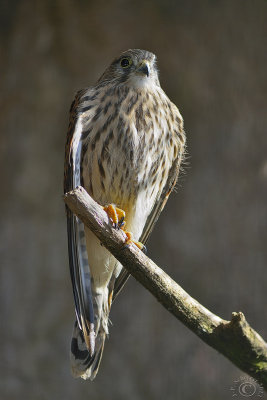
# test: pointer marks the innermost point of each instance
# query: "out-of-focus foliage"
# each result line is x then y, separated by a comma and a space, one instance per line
211, 238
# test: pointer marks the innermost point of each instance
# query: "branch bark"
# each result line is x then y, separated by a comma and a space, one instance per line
235, 339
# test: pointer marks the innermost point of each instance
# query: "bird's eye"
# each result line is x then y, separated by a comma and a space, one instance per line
126, 62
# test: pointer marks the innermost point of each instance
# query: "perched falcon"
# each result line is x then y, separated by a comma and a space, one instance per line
125, 144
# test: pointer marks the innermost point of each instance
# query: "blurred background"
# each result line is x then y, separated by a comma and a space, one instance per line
211, 238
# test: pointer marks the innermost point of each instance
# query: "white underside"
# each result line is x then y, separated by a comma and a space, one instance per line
101, 263
100, 260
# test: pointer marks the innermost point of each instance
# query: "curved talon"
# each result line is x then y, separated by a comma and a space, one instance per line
122, 223
144, 249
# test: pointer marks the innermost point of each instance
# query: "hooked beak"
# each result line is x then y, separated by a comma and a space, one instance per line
143, 68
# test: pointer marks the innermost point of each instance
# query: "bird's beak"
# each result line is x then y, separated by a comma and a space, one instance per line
143, 68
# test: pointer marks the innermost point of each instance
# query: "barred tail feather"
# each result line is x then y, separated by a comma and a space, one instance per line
82, 363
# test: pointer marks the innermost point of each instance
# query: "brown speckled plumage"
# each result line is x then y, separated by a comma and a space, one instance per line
125, 145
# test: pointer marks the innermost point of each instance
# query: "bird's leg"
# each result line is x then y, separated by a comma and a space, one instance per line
116, 215
129, 241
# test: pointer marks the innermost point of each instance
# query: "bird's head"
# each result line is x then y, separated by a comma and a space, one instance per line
134, 67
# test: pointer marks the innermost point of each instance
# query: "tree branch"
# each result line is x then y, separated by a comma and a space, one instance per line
235, 339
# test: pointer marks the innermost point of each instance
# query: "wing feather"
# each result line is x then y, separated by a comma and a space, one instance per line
78, 261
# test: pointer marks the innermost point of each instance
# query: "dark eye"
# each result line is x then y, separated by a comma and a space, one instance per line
126, 62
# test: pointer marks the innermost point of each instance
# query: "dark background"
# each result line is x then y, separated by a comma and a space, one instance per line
211, 238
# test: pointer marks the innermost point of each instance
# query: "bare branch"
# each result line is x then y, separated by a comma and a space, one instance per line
235, 339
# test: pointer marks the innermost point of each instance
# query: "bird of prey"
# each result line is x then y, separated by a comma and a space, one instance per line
125, 144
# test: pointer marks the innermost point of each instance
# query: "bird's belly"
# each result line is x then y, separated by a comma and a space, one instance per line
127, 168
129, 187
101, 262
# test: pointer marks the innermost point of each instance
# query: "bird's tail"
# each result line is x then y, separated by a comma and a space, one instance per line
83, 364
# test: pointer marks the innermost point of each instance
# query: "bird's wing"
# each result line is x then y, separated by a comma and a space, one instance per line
151, 220
156, 210
78, 261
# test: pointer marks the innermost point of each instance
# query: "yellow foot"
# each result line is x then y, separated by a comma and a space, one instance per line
116, 215
129, 241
